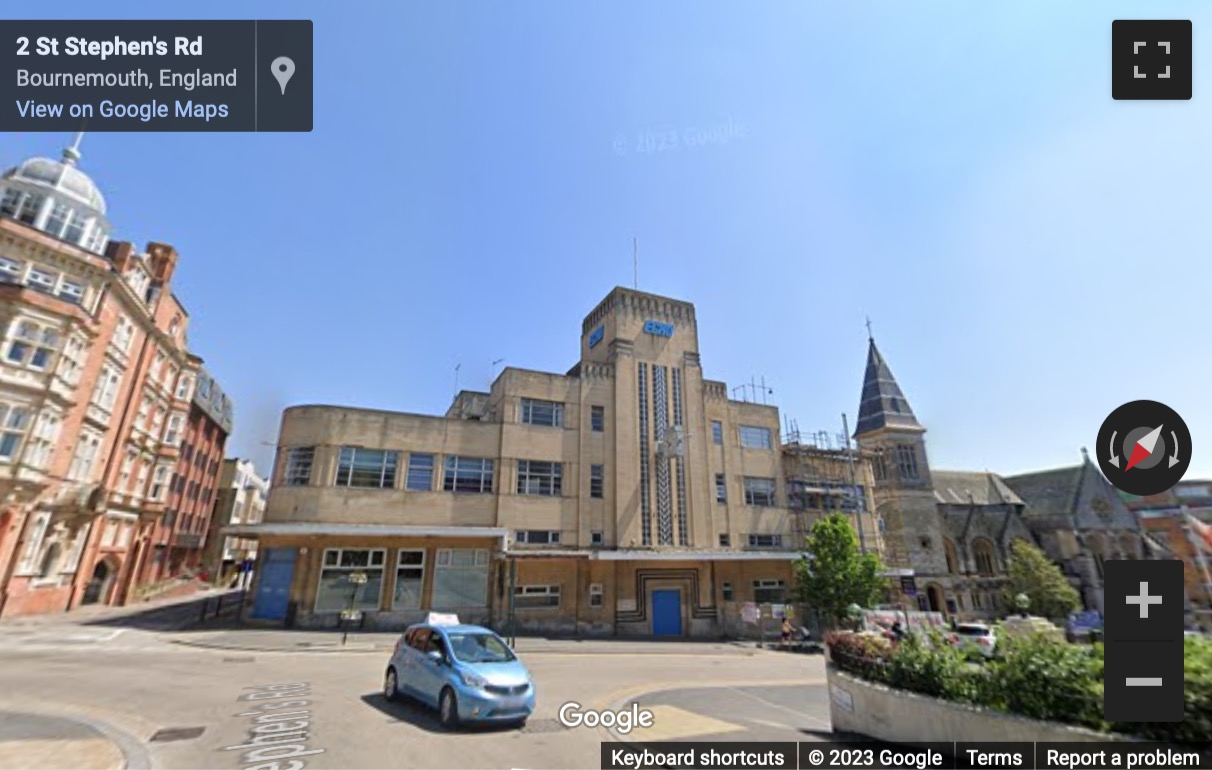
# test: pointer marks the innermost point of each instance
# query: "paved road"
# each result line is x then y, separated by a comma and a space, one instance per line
190, 707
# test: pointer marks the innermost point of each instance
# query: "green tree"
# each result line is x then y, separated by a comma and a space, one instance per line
1034, 574
835, 574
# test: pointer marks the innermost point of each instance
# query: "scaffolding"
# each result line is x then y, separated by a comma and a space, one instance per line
826, 474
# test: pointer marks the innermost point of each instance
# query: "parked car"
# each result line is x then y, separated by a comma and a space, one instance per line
468, 673
974, 636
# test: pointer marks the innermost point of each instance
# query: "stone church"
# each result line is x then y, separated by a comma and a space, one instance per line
954, 529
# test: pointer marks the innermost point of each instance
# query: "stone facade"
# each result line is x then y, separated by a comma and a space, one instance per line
954, 529
627, 496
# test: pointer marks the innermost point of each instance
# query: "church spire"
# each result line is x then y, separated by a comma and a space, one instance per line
882, 405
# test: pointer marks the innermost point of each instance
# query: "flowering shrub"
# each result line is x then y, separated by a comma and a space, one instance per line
1033, 676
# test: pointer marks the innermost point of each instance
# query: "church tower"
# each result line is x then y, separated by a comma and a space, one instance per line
904, 493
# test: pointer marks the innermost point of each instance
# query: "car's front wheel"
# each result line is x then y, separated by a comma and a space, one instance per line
448, 709
391, 685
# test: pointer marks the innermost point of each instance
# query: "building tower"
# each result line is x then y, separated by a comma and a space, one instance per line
904, 493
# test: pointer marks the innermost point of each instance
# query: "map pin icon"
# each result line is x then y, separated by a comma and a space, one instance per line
283, 68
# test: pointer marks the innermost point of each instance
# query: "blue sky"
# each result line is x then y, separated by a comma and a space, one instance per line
956, 171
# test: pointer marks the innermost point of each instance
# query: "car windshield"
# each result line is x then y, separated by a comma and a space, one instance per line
973, 631
479, 648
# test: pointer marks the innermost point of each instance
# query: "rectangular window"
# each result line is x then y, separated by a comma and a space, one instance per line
11, 270
725, 540
538, 536
539, 477
753, 437
14, 422
717, 432
43, 280
72, 291
595, 594
468, 474
726, 589
597, 476
56, 223
420, 473
597, 418
460, 579
337, 591
158, 486
536, 597
721, 489
765, 541
86, 454
759, 492
30, 207
547, 413
769, 592
369, 468
11, 202
184, 386
299, 461
595, 537
410, 577
906, 462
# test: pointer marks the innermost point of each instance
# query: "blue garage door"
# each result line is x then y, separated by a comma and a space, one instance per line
273, 589
667, 613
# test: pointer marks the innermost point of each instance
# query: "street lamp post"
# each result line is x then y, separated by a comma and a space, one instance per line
356, 580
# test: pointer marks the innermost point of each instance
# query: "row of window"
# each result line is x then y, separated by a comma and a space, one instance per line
551, 414
552, 537
377, 469
61, 221
66, 287
460, 581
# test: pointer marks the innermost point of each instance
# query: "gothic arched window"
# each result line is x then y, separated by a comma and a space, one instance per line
983, 555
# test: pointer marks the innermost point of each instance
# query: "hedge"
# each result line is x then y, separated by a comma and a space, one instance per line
1032, 676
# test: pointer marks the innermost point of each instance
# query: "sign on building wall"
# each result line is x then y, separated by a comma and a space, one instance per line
597, 335
658, 328
749, 612
626, 605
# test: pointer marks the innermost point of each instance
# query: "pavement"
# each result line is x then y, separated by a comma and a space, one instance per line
287, 640
145, 687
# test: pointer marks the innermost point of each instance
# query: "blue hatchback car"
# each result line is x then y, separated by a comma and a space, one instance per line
467, 673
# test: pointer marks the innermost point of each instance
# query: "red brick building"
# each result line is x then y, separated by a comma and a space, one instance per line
97, 393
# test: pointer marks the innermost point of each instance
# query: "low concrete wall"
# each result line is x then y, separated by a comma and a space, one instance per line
896, 716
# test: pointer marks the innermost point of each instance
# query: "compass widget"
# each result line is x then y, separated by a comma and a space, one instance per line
1144, 448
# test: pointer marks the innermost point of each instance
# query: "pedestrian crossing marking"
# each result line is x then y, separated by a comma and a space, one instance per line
670, 723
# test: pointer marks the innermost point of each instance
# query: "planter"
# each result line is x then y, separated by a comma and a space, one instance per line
881, 712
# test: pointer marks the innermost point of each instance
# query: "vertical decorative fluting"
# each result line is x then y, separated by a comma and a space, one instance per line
680, 461
645, 502
660, 418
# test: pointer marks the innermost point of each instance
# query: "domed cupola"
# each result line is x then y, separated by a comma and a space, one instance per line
57, 198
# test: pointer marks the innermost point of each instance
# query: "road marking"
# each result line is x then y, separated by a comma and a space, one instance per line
767, 723
780, 707
670, 723
614, 700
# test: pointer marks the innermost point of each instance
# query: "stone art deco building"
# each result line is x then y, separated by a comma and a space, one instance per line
629, 495
97, 388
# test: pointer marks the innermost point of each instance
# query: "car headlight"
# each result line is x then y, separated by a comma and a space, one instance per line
473, 680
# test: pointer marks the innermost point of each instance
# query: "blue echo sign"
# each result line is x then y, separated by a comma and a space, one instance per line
659, 329
597, 335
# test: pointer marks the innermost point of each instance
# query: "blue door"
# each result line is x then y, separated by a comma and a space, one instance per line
273, 589
667, 613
